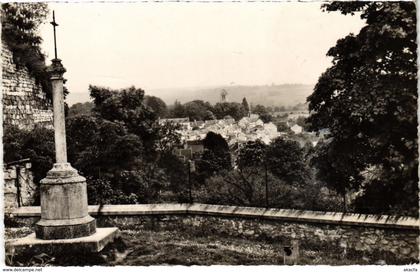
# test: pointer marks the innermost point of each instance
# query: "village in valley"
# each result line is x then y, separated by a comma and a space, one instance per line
248, 129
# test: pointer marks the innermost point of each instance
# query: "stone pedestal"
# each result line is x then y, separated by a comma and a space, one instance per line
64, 205
93, 243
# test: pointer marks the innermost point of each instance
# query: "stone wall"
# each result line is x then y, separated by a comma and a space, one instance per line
390, 245
378, 238
24, 102
19, 186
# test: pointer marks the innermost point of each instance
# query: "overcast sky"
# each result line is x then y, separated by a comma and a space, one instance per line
174, 45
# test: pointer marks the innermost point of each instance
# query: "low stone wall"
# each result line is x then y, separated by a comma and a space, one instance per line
19, 186
394, 240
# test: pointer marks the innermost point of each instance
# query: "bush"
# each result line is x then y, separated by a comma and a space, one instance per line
37, 145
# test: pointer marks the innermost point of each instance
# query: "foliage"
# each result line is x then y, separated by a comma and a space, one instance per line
252, 154
368, 101
101, 191
279, 108
281, 165
177, 110
20, 24
235, 110
157, 105
176, 171
285, 159
298, 107
198, 110
247, 188
215, 142
122, 146
245, 105
215, 158
80, 109
209, 115
234, 188
37, 145
125, 106
99, 147
282, 126
301, 121
262, 111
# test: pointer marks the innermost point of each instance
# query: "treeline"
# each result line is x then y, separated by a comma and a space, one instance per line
196, 110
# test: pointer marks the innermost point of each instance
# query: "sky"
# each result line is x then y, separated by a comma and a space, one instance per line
157, 46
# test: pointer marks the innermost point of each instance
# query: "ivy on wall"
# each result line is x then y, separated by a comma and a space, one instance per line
20, 24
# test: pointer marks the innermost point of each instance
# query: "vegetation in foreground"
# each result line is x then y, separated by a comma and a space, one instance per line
144, 248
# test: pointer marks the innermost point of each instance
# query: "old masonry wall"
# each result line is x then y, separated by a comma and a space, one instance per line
24, 102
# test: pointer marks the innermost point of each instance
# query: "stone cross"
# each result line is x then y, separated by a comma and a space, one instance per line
54, 24
64, 206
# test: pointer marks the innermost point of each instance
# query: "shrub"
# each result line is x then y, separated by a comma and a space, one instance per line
37, 145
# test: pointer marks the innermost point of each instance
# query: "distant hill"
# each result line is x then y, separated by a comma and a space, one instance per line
267, 95
287, 95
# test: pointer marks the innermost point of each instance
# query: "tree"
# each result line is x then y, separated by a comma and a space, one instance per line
209, 115
368, 101
234, 188
337, 169
216, 156
176, 172
80, 109
252, 158
126, 106
282, 127
37, 145
245, 105
285, 159
229, 108
252, 154
157, 105
120, 147
265, 116
282, 160
215, 142
101, 148
198, 110
301, 121
177, 110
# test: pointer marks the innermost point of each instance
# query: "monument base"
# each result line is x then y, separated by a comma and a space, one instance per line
93, 243
64, 209
65, 229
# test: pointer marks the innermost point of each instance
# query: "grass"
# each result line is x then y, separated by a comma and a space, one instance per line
145, 247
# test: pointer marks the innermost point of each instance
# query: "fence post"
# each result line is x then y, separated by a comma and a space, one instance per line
189, 163
266, 186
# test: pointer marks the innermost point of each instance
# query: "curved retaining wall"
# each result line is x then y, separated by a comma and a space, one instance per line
389, 238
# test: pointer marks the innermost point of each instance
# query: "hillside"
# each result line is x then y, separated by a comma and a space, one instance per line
268, 95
